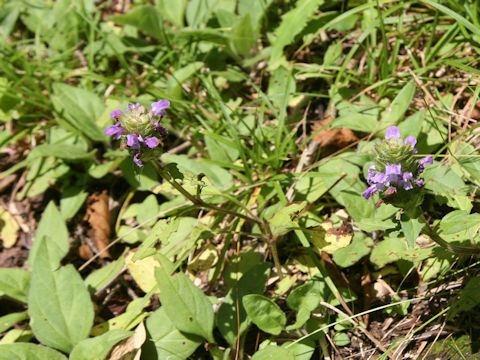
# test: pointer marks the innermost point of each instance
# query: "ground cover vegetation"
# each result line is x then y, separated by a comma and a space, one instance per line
239, 179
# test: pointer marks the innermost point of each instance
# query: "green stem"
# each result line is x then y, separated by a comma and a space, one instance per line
199, 202
462, 250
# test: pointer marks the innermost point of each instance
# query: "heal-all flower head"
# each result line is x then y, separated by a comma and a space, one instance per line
396, 170
140, 129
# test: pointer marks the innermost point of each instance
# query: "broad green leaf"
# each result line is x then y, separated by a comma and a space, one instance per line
7, 321
219, 177
146, 180
255, 8
60, 309
304, 299
185, 304
199, 12
144, 18
399, 106
326, 238
341, 339
273, 353
147, 209
358, 248
239, 265
14, 283
229, 316
181, 75
173, 11
264, 313
310, 187
166, 341
411, 229
80, 108
281, 86
61, 151
102, 276
98, 347
243, 36
26, 351
8, 16
73, 197
51, 227
459, 220
302, 350
387, 251
282, 218
292, 24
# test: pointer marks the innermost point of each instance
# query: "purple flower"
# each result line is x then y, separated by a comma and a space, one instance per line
379, 178
159, 106
392, 132
405, 181
372, 190
115, 130
136, 158
132, 107
133, 141
426, 160
160, 129
152, 142
116, 113
412, 141
419, 183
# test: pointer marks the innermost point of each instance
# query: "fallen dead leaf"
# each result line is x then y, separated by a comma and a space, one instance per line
337, 138
130, 349
99, 218
9, 229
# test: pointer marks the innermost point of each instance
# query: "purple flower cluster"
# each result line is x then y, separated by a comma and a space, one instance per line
396, 168
142, 129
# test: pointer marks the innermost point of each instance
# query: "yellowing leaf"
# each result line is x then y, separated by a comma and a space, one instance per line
130, 349
206, 259
326, 238
142, 271
9, 228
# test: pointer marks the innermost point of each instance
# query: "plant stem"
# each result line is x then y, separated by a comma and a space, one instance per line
198, 201
462, 250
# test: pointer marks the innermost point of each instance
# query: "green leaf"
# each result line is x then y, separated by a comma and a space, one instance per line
60, 309
7, 321
292, 24
349, 255
185, 304
273, 353
73, 197
243, 36
98, 278
179, 77
239, 265
281, 86
51, 227
144, 18
166, 341
442, 179
61, 151
199, 12
387, 251
411, 229
173, 11
219, 177
229, 315
80, 108
399, 105
97, 348
8, 17
264, 313
14, 283
26, 351
341, 339
147, 209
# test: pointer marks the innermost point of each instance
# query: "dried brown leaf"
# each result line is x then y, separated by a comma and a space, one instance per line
336, 138
99, 218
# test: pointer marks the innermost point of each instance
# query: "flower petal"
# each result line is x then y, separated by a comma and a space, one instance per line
132, 141
116, 113
152, 142
132, 106
159, 106
392, 132
411, 140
